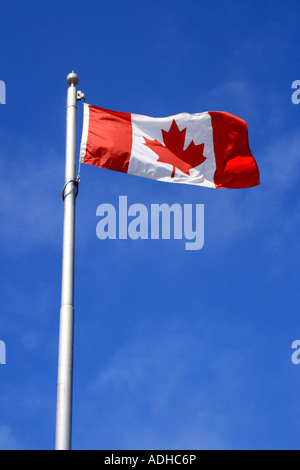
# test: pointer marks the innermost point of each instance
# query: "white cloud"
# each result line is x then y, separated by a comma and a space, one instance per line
7, 439
268, 211
30, 198
165, 390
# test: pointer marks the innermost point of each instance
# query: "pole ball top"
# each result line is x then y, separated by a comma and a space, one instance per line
72, 78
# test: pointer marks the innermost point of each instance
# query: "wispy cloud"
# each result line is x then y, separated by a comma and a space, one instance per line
30, 201
164, 391
7, 439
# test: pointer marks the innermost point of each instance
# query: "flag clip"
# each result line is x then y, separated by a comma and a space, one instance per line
80, 96
76, 184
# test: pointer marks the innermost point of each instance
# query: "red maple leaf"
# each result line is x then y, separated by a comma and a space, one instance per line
172, 152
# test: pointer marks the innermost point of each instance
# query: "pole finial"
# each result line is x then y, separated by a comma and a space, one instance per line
72, 79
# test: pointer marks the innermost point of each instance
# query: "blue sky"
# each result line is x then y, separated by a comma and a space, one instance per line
174, 349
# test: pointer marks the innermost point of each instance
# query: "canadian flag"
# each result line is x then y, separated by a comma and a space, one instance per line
206, 149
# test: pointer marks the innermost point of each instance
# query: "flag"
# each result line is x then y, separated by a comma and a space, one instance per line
206, 149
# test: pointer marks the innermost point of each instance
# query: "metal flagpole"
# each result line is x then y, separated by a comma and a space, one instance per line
66, 326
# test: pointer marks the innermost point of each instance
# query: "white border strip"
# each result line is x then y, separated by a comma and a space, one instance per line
85, 131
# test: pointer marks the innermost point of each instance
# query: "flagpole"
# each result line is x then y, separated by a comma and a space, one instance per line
66, 327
